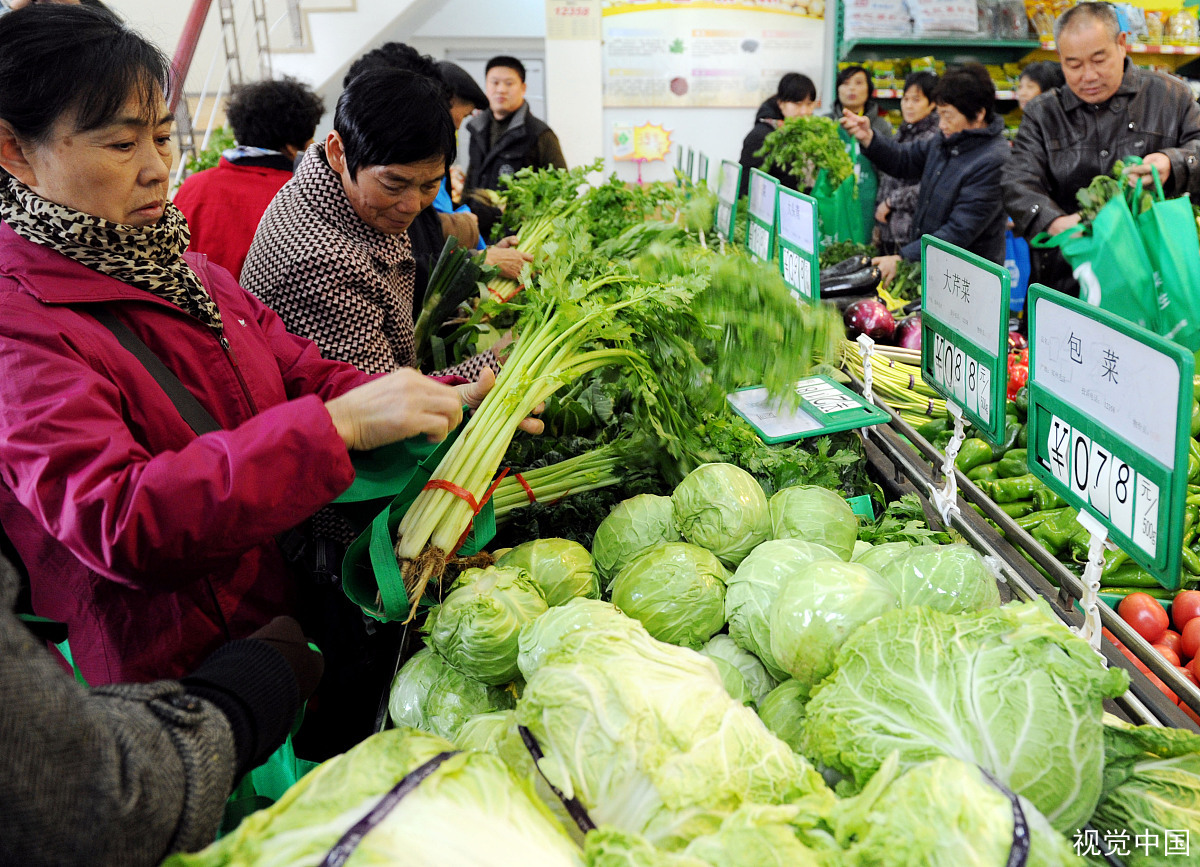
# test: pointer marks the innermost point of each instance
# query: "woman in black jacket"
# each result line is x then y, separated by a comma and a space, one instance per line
960, 199
796, 96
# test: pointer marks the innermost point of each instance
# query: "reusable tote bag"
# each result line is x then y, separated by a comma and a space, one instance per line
1168, 230
837, 209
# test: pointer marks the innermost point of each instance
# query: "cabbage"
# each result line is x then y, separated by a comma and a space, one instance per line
743, 675
430, 695
814, 514
468, 812
632, 526
860, 548
950, 578
816, 611
540, 638
942, 813
1151, 784
644, 734
751, 591
722, 508
782, 711
879, 556
561, 568
676, 590
1008, 689
476, 627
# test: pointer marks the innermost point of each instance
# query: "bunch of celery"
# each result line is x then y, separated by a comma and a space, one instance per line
589, 471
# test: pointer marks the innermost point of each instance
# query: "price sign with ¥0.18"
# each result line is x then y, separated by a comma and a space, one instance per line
1109, 424
964, 332
760, 227
797, 239
729, 181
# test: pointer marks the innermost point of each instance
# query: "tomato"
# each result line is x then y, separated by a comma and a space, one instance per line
1189, 640
1146, 616
1171, 639
1194, 667
1186, 674
1184, 607
1141, 666
1191, 713
1167, 653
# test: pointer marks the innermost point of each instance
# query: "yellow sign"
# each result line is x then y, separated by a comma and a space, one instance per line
650, 141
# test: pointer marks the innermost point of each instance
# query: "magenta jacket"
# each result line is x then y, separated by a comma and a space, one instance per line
154, 545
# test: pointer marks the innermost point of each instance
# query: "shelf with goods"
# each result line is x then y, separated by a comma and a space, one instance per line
1174, 57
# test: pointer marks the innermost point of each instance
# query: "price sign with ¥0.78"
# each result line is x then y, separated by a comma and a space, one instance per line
798, 234
729, 180
964, 332
760, 227
1109, 423
702, 176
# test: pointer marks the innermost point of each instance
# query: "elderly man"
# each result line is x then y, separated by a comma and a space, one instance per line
1108, 109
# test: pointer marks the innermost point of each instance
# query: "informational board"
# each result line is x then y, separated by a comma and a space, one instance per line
1109, 423
706, 53
761, 213
798, 239
702, 177
964, 332
573, 19
729, 180
825, 407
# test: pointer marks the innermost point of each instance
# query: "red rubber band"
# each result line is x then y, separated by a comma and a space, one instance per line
524, 484
504, 299
462, 493
566, 494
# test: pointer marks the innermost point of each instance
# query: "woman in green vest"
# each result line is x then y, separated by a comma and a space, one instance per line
856, 93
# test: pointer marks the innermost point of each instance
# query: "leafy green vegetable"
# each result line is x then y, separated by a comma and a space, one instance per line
743, 675
676, 590
782, 711
562, 569
1009, 689
840, 251
542, 637
722, 508
1102, 190
817, 515
633, 526
453, 280
803, 146
431, 695
903, 520
950, 578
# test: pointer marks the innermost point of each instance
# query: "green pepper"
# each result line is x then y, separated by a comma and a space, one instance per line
1023, 437
1044, 498
1036, 517
1113, 560
941, 440
1193, 467
973, 453
1191, 560
1014, 463
931, 429
1158, 591
1195, 417
1196, 387
1012, 432
985, 472
1010, 490
1129, 575
1055, 533
1016, 510
1020, 401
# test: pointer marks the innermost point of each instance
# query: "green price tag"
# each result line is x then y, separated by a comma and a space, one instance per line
1109, 424
825, 407
798, 238
964, 332
703, 176
760, 227
729, 181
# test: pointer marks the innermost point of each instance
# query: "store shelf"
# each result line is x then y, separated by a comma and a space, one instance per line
983, 50
1139, 48
886, 93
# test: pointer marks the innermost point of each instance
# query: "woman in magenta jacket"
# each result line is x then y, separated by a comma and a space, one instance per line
153, 544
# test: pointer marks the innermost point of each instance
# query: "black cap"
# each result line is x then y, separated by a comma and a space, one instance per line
462, 85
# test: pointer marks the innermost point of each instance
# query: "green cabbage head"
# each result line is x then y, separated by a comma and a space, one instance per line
950, 578
431, 695
541, 637
782, 711
751, 590
878, 556
632, 526
814, 514
475, 629
722, 508
1008, 689
676, 590
561, 568
743, 675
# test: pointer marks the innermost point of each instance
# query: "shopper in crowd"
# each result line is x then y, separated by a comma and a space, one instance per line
1038, 78
272, 122
960, 200
126, 774
153, 544
1108, 109
796, 96
507, 137
896, 202
856, 94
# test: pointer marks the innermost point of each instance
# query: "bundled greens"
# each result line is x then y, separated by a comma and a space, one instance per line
803, 146
453, 280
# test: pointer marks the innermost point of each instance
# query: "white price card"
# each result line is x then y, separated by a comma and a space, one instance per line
762, 197
797, 223
727, 189
759, 241
1099, 492
1121, 496
724, 218
964, 296
1058, 450
985, 391
1081, 464
1145, 513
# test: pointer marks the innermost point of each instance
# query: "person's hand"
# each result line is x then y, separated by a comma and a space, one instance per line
508, 259
398, 406
887, 269
1160, 161
284, 634
882, 212
505, 243
859, 126
458, 183
473, 393
1063, 224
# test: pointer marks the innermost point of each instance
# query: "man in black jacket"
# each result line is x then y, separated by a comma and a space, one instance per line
1109, 109
507, 137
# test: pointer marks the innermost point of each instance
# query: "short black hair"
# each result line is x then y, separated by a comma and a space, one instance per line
274, 113
1046, 74
924, 80
794, 87
397, 55
462, 86
968, 88
508, 63
387, 116
851, 71
57, 60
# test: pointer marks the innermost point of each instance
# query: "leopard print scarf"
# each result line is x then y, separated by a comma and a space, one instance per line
150, 259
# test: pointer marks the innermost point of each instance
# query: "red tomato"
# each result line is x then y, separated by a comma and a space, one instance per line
1194, 667
1141, 666
1184, 607
1191, 713
1167, 653
1146, 616
1189, 639
1186, 674
1171, 639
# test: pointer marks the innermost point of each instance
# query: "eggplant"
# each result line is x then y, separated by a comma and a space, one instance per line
846, 266
844, 302
863, 282
912, 307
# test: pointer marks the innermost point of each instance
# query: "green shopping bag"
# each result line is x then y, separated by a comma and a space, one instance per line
860, 210
838, 214
1168, 230
1109, 261
265, 785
